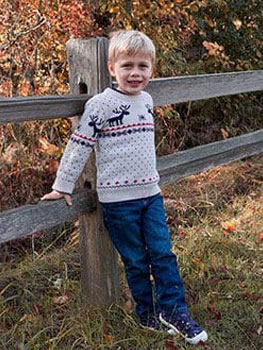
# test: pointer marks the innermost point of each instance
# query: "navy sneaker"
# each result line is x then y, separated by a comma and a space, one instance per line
183, 324
153, 324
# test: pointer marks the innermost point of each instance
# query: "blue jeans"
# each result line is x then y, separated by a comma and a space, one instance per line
139, 232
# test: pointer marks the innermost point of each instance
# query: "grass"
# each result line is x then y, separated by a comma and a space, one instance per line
216, 221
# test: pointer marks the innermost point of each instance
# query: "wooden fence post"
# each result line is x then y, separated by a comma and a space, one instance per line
99, 266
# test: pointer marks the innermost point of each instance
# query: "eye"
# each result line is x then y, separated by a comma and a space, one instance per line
144, 65
126, 65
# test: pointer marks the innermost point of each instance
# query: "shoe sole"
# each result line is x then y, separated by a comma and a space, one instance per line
201, 337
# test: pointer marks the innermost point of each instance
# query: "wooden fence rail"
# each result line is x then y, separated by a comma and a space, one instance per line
32, 218
29, 219
87, 64
163, 90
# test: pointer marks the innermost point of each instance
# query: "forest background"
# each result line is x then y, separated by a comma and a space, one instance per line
220, 256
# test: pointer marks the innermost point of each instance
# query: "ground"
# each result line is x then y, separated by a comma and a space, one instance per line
215, 220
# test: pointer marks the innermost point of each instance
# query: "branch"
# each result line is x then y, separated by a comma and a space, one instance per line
19, 35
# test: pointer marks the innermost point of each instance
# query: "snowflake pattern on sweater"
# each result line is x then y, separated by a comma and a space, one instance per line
121, 130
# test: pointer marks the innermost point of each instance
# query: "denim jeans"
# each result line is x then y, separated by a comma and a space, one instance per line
139, 232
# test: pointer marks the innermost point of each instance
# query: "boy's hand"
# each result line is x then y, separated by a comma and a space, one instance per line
57, 195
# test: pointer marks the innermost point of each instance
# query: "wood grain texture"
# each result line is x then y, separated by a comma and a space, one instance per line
20, 109
197, 87
182, 164
163, 90
99, 264
29, 219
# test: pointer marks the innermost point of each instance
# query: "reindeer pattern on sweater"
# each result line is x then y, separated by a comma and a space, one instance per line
121, 130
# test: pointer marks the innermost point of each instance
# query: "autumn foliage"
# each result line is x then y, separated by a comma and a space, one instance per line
192, 37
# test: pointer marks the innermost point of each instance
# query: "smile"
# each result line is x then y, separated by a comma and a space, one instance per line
134, 82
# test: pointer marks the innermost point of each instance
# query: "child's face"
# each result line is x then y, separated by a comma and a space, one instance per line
132, 73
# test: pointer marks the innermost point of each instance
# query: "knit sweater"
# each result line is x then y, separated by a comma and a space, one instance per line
121, 130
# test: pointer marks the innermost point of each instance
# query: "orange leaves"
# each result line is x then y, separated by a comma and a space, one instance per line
225, 133
6, 88
77, 18
49, 148
210, 21
213, 48
53, 151
194, 7
24, 87
215, 52
237, 23
108, 339
230, 226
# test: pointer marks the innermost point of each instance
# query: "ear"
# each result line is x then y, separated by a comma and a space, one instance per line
111, 68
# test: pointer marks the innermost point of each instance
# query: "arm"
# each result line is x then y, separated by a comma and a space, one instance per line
78, 149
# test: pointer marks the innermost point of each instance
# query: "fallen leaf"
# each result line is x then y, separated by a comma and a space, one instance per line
35, 307
27, 317
169, 344
230, 226
23, 318
108, 338
223, 268
214, 312
249, 296
60, 300
182, 233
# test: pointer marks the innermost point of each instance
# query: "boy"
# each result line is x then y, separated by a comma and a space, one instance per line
119, 124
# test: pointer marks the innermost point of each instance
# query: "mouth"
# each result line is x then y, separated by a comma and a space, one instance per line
134, 82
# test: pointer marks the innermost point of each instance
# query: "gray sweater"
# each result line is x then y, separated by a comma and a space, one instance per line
121, 130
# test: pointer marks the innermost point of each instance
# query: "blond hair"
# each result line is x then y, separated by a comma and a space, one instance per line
130, 42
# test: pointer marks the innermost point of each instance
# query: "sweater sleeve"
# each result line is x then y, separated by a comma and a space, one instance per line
80, 146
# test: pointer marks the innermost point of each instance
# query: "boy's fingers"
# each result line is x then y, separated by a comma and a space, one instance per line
68, 199
52, 195
57, 195
45, 197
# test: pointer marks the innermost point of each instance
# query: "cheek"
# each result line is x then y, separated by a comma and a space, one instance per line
147, 76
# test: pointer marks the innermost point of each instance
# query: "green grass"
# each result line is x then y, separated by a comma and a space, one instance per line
216, 221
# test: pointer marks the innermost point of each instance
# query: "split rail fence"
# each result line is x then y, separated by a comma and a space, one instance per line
88, 76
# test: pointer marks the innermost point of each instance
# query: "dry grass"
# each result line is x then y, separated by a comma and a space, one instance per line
216, 221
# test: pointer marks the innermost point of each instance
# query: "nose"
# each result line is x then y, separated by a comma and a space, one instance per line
135, 72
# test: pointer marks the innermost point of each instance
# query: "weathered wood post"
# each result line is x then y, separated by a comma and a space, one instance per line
99, 268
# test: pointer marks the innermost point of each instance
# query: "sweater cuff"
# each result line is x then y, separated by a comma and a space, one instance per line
63, 186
